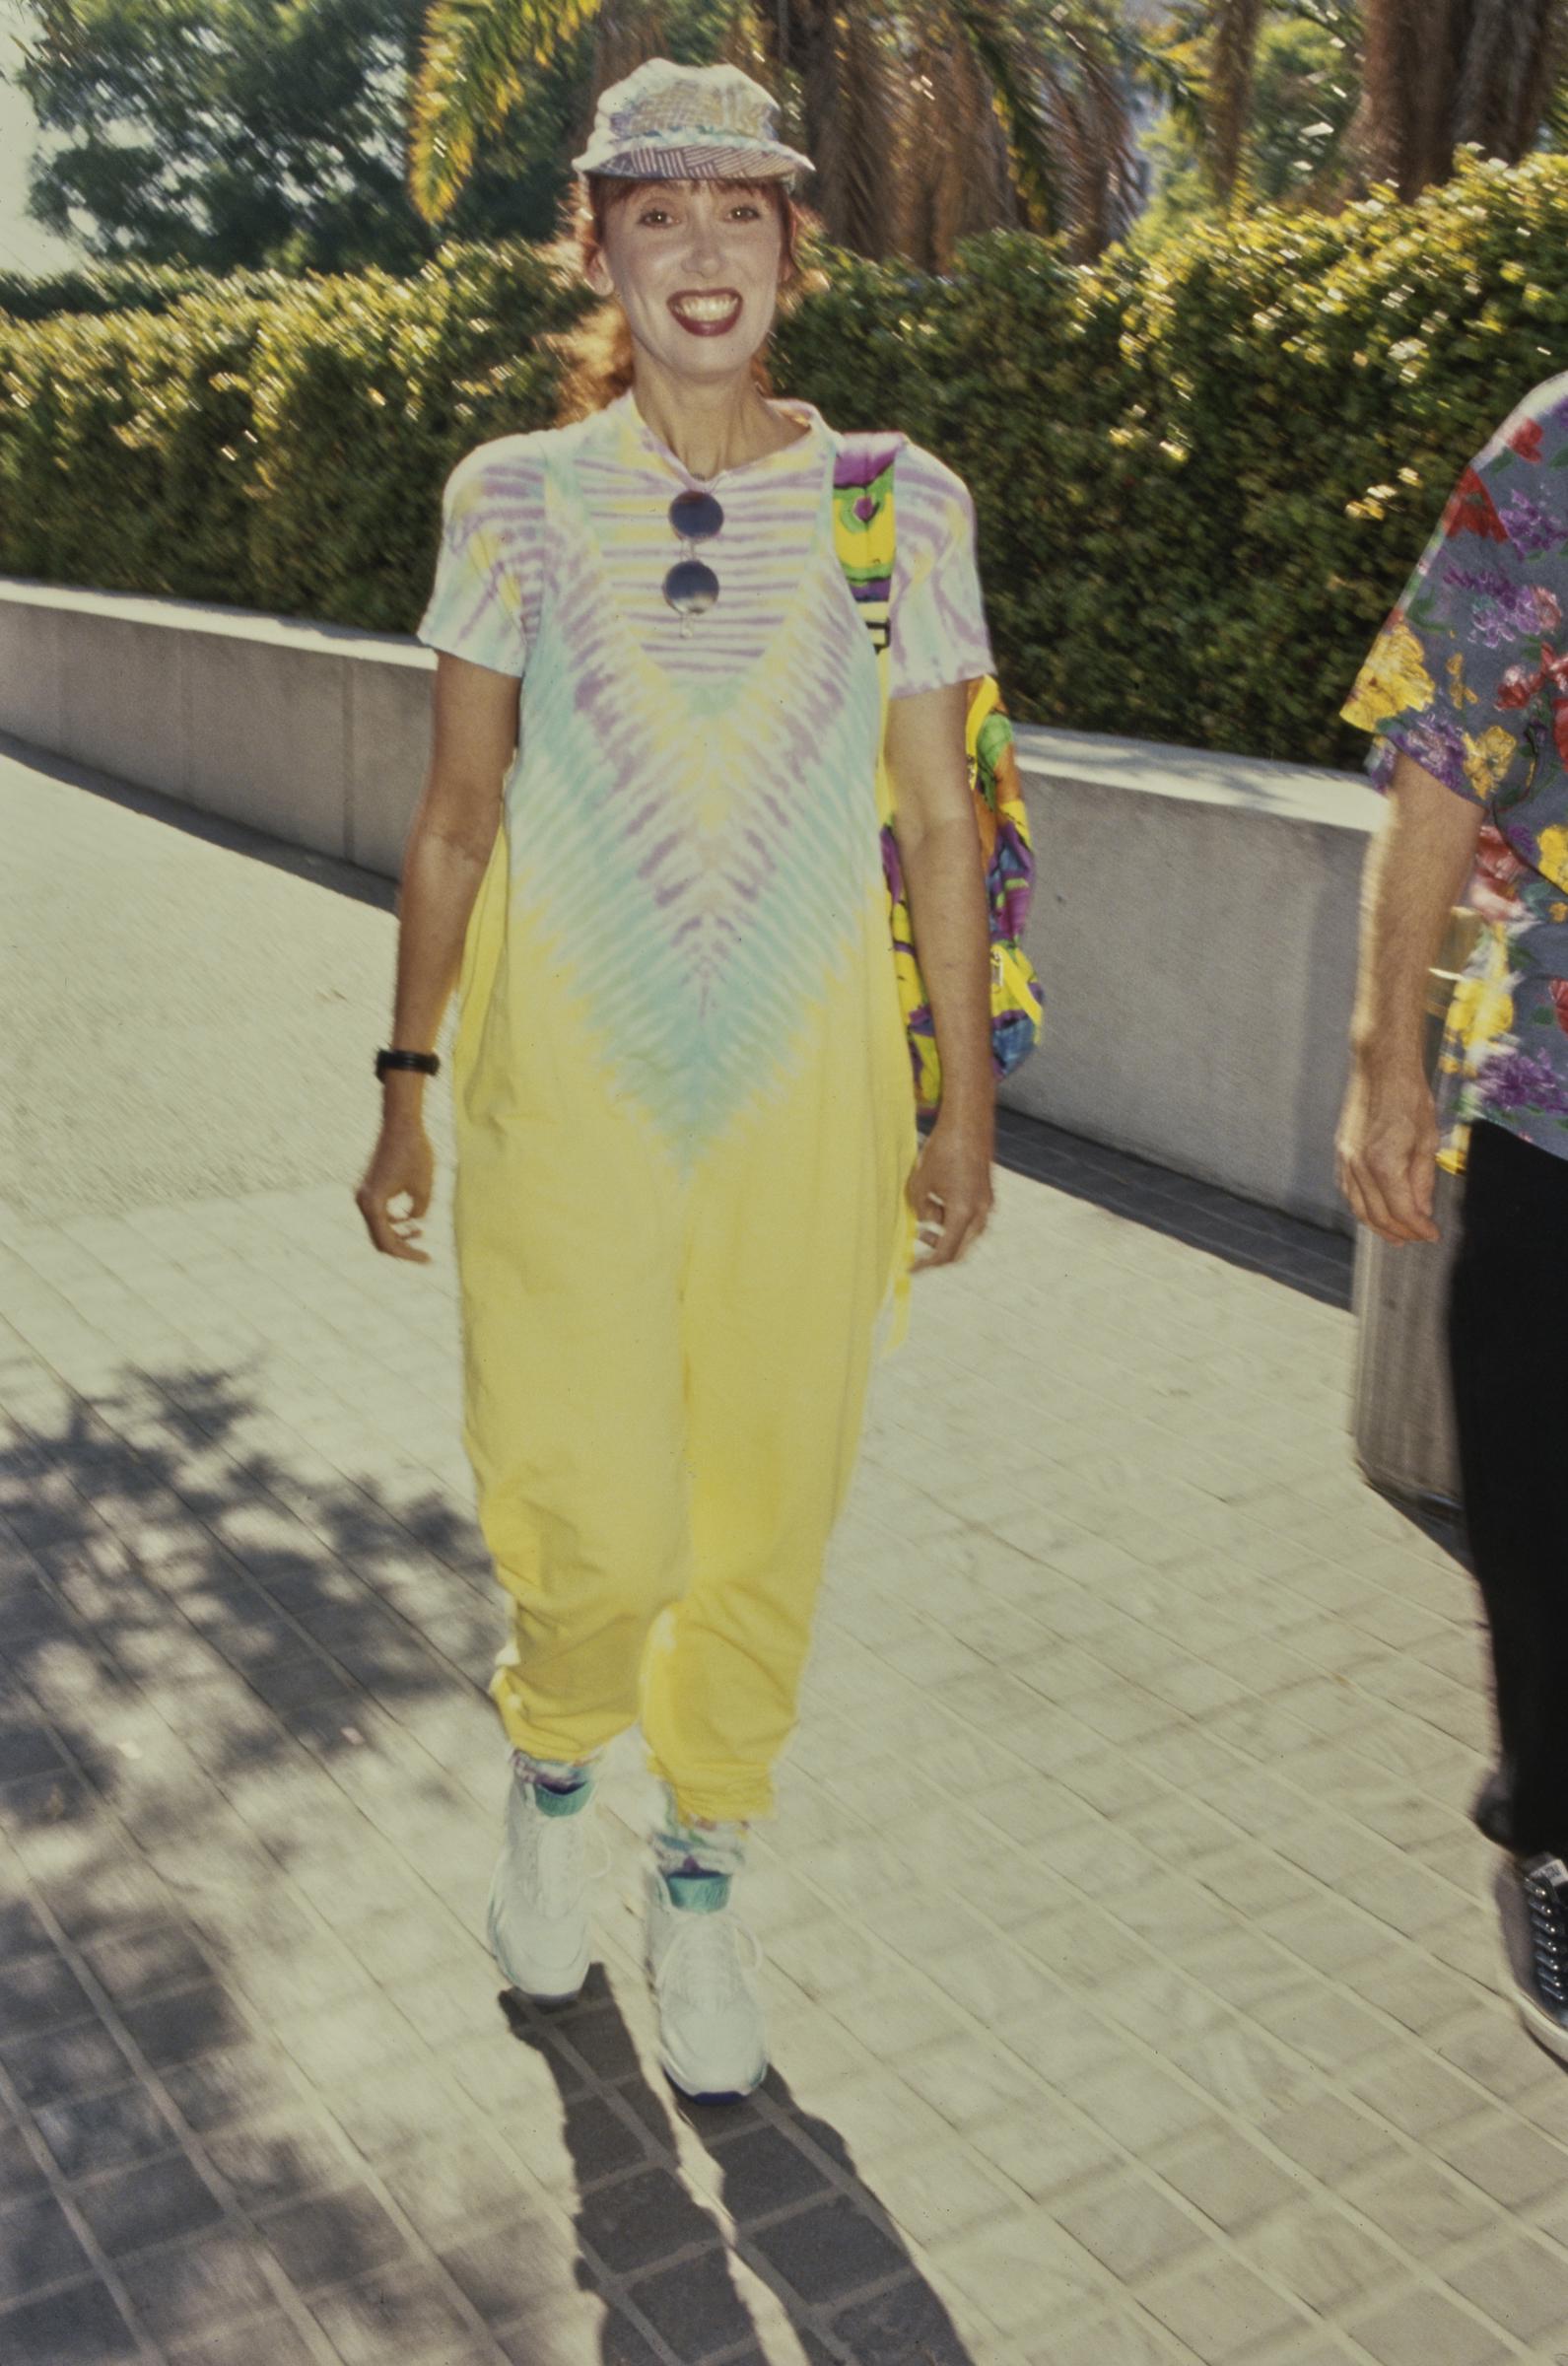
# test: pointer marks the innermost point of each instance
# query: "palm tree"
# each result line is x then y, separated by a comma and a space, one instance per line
928, 119
1232, 63
1443, 73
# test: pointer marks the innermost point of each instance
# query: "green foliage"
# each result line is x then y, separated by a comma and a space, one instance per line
1306, 89
251, 134
1202, 474
120, 288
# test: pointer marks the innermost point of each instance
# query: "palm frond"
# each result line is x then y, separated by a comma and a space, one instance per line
475, 62
1017, 74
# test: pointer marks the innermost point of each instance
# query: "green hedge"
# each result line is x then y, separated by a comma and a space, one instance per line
1201, 476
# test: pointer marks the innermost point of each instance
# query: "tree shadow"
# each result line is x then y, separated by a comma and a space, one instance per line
151, 1547
803, 2219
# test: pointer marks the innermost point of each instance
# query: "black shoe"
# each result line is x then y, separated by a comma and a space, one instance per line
1493, 1809
1533, 1900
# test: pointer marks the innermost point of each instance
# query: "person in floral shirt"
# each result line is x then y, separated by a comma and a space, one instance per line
1466, 693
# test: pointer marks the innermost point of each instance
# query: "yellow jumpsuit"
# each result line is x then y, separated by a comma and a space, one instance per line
685, 1122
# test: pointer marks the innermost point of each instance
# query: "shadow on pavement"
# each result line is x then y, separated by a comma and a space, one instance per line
327, 870
803, 2219
161, 1563
1301, 1256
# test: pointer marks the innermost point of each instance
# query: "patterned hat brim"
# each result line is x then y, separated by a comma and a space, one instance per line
701, 159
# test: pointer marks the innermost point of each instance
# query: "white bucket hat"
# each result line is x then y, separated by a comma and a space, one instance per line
669, 122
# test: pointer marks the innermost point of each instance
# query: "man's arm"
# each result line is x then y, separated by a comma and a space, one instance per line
1416, 870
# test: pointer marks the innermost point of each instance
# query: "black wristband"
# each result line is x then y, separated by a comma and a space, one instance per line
424, 1063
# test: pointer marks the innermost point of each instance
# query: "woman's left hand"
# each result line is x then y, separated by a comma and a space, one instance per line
950, 1190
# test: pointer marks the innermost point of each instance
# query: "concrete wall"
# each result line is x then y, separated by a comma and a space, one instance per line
1195, 921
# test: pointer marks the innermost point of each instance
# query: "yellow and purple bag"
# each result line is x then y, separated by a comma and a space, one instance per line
863, 535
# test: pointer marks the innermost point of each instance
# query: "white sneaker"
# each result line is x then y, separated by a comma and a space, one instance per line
538, 1918
712, 2042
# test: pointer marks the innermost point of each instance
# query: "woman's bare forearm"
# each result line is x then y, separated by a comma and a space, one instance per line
442, 876
947, 907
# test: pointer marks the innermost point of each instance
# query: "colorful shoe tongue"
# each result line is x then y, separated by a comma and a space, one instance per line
699, 1893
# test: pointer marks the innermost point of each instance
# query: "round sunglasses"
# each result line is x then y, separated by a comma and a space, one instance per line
691, 587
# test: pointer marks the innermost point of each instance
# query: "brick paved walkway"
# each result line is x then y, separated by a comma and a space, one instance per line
1131, 1990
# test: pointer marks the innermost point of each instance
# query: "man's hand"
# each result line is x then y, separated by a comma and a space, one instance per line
1386, 1151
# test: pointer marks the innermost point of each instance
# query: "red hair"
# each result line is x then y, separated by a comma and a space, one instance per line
599, 353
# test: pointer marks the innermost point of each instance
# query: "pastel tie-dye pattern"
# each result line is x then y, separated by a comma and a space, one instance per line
685, 1114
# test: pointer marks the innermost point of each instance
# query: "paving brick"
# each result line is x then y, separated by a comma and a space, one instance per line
762, 2170
1130, 2226
1138, 2104
696, 2307
1328, 2137
335, 2047
265, 2161
233, 2083
1024, 2273
1220, 2309
332, 2237
828, 2250
157, 2201
188, 2289
1425, 2329
269, 2341
934, 2196
501, 2272
1128, 2336
1514, 2166
1223, 2174
22, 1932
1520, 2285
82, 2059
632, 2222
1422, 2206
77, 2327
100, 2131
185, 2023
1322, 2255
907, 2322
453, 2182
1413, 2090
39, 1993
404, 2312
134, 1964
37, 2245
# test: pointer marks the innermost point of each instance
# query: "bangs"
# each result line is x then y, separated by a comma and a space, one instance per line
614, 190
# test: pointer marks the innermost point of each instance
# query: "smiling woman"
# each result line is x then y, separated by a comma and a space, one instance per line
600, 353
688, 1180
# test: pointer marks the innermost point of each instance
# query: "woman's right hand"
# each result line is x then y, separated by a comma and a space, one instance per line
402, 1167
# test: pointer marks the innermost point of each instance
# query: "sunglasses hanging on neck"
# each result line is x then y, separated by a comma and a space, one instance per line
691, 587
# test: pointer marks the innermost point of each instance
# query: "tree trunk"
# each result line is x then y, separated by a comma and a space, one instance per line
1506, 81
1442, 73
1234, 58
852, 103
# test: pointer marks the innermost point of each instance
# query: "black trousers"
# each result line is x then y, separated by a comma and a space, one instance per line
1508, 1339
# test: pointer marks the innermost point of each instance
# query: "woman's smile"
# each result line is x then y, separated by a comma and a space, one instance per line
707, 311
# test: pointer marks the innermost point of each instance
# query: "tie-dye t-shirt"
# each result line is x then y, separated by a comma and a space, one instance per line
488, 583
1469, 677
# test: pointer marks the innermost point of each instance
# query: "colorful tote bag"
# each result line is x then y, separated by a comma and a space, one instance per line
863, 535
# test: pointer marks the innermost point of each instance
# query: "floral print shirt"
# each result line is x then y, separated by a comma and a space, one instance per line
1469, 677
